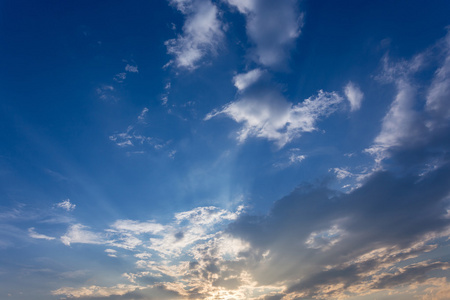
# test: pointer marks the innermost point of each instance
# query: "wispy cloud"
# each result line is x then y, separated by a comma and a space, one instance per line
32, 233
202, 33
406, 125
273, 26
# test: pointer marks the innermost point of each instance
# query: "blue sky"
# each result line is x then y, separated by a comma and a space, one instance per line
224, 149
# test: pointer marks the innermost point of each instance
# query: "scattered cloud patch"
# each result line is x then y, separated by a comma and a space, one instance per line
131, 69
79, 233
111, 252
66, 205
106, 93
134, 137
242, 81
354, 96
273, 27
120, 77
202, 33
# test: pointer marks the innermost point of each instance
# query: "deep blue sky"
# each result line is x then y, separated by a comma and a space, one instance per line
224, 149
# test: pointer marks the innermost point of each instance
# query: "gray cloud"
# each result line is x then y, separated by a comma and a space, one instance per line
386, 221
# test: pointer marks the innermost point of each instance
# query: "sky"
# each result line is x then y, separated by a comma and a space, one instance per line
225, 149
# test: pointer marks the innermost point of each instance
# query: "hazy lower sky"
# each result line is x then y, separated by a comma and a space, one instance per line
224, 149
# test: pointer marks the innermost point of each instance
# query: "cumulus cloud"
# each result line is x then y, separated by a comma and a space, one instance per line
266, 114
202, 33
354, 96
66, 205
273, 26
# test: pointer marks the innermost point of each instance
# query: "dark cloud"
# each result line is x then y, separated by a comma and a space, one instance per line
390, 214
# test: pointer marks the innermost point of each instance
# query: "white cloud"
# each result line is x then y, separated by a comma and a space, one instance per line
191, 227
273, 26
137, 227
206, 216
66, 205
111, 252
105, 93
130, 137
242, 81
120, 77
77, 233
354, 96
32, 233
96, 291
295, 158
202, 33
268, 115
131, 69
144, 112
401, 125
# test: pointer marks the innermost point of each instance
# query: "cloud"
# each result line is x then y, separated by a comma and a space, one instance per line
354, 96
131, 69
273, 27
437, 103
133, 137
189, 228
401, 125
78, 233
66, 205
96, 291
32, 233
242, 81
111, 252
202, 33
105, 93
137, 227
143, 114
406, 125
266, 114
324, 244
120, 77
